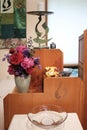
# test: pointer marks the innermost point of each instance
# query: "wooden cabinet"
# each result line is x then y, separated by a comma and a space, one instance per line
83, 69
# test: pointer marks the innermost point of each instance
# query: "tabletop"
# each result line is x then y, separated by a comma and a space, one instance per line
21, 122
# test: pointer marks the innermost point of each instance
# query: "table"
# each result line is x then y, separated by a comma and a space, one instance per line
21, 122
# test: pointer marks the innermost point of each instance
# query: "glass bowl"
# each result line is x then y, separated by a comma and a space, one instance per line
48, 116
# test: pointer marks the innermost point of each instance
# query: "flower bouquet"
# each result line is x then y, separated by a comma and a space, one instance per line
21, 64
21, 61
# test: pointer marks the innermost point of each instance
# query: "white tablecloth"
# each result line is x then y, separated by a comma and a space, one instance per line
21, 122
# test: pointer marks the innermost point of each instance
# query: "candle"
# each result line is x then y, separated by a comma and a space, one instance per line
41, 6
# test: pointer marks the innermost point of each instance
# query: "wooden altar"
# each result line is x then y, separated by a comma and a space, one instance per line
65, 91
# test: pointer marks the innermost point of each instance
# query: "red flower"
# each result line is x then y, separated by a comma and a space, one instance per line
11, 69
12, 50
29, 70
16, 58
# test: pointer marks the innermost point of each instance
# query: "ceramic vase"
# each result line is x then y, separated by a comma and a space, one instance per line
23, 83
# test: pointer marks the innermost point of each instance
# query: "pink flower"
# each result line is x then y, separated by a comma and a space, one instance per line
21, 48
27, 63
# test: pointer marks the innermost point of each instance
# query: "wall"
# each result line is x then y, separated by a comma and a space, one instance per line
66, 24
